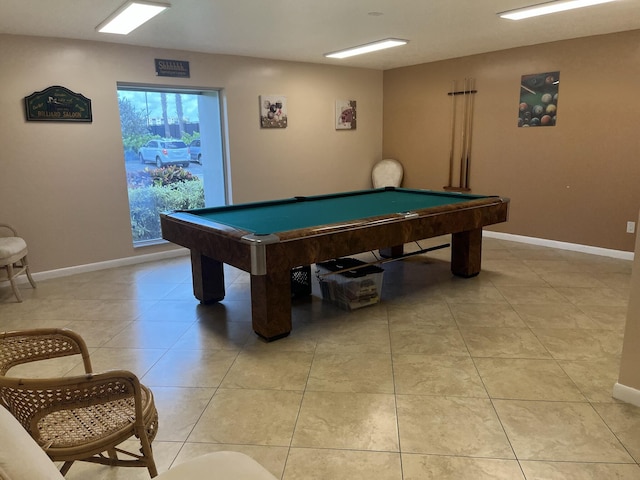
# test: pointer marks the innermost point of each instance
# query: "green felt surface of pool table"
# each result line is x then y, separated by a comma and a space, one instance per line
303, 212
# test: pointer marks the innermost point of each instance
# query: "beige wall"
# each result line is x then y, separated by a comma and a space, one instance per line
63, 185
576, 182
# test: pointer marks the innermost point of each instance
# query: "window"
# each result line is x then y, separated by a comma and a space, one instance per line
173, 154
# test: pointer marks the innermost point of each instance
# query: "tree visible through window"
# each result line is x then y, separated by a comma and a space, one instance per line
162, 155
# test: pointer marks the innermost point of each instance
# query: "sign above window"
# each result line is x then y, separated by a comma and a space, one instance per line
172, 68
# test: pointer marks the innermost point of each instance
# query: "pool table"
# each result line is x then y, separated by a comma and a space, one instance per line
268, 239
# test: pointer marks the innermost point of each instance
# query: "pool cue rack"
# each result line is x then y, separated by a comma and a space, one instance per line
462, 130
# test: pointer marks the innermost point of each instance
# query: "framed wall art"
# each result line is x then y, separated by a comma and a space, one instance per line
539, 100
345, 114
273, 111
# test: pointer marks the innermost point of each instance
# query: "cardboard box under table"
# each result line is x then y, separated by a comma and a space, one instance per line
350, 283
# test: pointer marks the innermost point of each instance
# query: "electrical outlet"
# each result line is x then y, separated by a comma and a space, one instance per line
631, 227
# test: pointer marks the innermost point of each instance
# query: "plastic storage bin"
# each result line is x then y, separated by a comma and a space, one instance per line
351, 289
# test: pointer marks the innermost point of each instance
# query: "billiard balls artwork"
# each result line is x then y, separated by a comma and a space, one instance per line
273, 111
538, 105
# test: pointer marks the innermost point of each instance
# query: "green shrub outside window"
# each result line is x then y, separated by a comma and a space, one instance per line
158, 190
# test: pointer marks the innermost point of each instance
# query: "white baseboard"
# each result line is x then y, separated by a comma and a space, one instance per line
92, 267
575, 247
178, 252
626, 394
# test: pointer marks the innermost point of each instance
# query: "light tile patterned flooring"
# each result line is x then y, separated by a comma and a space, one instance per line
504, 376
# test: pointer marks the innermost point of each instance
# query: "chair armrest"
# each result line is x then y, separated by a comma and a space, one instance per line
24, 346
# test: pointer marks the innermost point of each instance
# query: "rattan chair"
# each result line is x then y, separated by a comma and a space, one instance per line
77, 418
13, 258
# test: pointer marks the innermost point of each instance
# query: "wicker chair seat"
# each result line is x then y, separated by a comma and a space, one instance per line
90, 427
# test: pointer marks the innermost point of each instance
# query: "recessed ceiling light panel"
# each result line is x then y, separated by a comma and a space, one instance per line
367, 48
549, 7
130, 16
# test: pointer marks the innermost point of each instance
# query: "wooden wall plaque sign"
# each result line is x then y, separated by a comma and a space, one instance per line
58, 104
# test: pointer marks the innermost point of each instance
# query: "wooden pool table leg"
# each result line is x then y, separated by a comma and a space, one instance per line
208, 278
271, 304
466, 253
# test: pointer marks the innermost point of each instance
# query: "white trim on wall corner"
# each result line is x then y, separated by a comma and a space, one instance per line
626, 394
575, 247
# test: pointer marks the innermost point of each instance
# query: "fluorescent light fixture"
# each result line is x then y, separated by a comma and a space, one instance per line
549, 7
369, 47
130, 16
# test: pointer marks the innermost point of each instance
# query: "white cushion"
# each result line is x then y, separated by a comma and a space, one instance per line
22, 459
9, 246
218, 466
20, 456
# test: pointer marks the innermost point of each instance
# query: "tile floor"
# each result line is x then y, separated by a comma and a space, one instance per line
504, 376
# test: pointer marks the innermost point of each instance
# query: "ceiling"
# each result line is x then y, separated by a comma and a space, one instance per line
304, 30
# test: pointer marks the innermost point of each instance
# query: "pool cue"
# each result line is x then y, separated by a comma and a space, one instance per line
464, 123
463, 149
453, 132
472, 87
527, 89
466, 128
